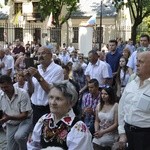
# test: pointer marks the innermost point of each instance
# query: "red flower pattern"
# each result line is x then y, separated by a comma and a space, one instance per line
63, 134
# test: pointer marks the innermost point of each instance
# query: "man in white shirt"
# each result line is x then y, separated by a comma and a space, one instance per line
134, 108
70, 48
144, 46
96, 69
64, 57
6, 64
47, 73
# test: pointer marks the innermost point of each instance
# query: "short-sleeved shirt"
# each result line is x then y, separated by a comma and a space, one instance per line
97, 71
20, 102
53, 73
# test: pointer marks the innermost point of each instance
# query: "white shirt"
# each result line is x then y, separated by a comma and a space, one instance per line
70, 49
64, 58
124, 80
84, 65
25, 86
20, 102
134, 105
132, 61
79, 137
97, 71
9, 64
53, 73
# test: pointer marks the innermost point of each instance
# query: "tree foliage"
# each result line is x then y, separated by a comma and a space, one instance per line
56, 7
139, 9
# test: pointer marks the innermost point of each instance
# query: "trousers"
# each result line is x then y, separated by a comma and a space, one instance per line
17, 135
138, 139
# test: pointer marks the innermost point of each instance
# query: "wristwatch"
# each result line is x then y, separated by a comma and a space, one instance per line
41, 79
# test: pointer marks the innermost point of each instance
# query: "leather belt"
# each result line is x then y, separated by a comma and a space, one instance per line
136, 129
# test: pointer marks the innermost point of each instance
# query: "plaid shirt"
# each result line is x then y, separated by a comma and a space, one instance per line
89, 101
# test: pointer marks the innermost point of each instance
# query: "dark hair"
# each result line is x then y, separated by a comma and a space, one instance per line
119, 70
95, 82
112, 97
66, 68
113, 41
57, 61
94, 52
5, 79
145, 35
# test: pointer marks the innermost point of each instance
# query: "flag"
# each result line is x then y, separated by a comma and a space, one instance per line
49, 23
91, 21
16, 18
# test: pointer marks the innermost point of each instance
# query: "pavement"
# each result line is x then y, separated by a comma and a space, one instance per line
2, 140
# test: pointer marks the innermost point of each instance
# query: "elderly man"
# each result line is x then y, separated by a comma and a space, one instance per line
47, 73
134, 107
17, 114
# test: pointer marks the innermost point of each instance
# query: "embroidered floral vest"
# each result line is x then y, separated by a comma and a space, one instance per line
55, 136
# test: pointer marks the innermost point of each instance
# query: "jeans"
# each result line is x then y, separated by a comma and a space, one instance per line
17, 135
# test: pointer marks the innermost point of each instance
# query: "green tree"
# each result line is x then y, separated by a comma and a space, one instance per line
56, 7
139, 9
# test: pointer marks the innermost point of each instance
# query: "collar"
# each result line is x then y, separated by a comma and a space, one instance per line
137, 80
96, 64
67, 119
16, 92
40, 66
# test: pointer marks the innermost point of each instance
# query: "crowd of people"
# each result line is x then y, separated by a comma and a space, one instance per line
59, 99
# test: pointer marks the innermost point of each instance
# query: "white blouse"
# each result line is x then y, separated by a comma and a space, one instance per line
79, 137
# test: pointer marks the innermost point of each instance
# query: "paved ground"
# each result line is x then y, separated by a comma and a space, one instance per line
2, 140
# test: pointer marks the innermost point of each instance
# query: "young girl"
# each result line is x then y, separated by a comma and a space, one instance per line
106, 120
122, 76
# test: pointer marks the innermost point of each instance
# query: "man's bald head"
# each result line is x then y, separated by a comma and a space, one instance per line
143, 65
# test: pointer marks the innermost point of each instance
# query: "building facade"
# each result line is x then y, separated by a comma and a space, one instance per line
24, 22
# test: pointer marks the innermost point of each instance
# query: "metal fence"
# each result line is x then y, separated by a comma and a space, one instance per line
33, 32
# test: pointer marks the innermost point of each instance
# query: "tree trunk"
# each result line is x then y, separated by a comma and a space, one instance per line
134, 33
134, 29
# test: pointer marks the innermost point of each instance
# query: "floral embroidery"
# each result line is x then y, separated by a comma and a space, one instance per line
63, 134
81, 127
59, 132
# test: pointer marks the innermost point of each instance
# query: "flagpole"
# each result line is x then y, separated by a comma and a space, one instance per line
100, 25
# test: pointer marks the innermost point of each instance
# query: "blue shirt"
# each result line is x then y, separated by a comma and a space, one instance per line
113, 60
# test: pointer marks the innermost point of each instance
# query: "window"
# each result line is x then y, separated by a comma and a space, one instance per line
17, 7
1, 34
35, 7
6, 1
97, 36
19, 33
76, 33
55, 35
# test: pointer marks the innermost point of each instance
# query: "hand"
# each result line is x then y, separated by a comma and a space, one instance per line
2, 65
122, 141
4, 119
88, 110
99, 133
33, 72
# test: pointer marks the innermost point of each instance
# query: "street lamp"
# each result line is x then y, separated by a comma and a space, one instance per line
100, 25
